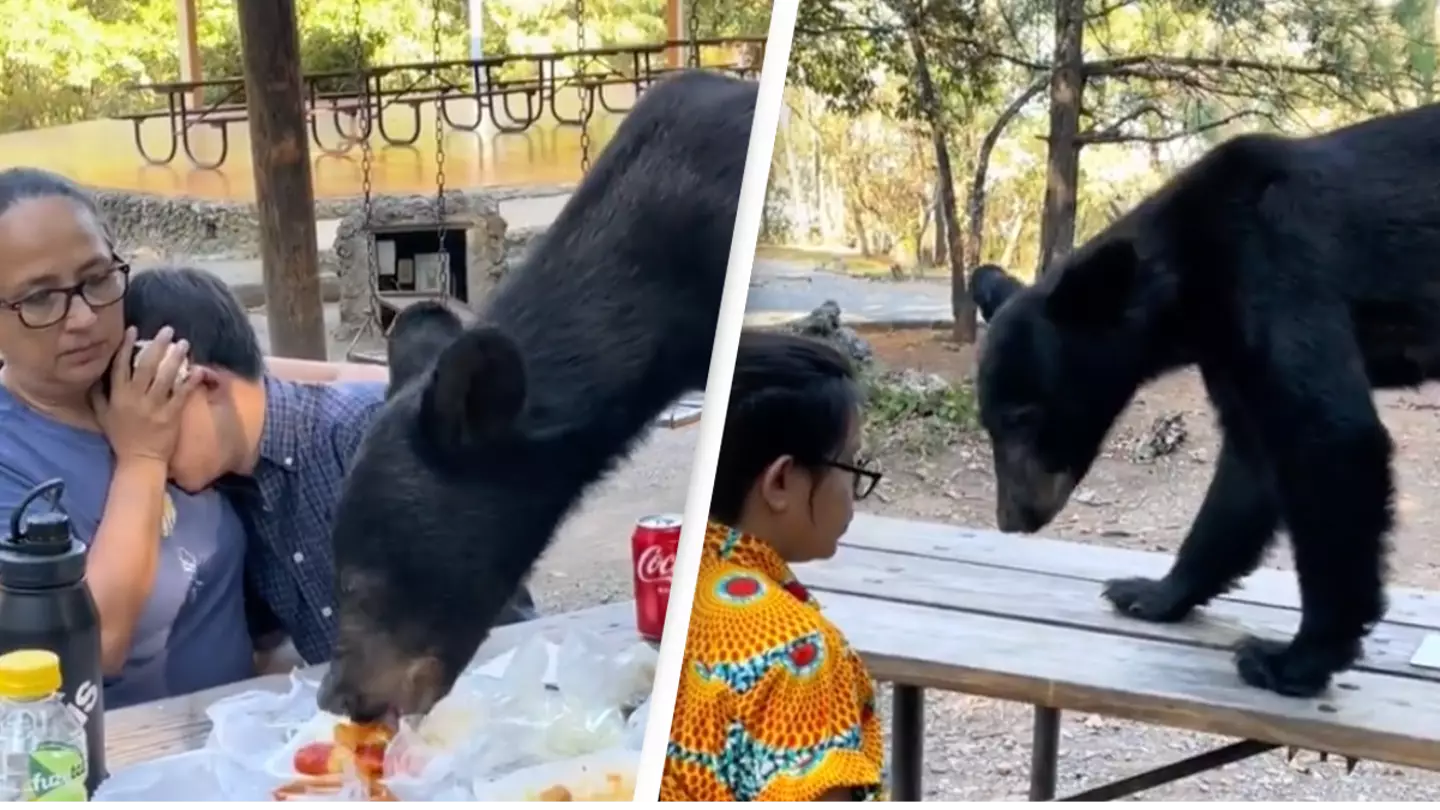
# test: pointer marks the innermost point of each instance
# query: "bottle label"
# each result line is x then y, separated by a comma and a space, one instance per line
56, 774
81, 703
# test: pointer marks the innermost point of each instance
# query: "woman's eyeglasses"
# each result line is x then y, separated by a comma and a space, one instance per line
865, 479
44, 308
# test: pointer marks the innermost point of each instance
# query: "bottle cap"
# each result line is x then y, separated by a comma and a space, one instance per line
50, 530
29, 674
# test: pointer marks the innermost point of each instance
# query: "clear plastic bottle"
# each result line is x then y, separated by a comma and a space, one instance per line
42, 745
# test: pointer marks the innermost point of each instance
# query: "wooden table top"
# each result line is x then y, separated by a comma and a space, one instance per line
152, 730
1020, 618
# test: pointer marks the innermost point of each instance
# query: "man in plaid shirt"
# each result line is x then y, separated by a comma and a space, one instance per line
278, 441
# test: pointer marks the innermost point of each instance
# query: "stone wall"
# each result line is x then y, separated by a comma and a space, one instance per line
165, 227
518, 243
485, 247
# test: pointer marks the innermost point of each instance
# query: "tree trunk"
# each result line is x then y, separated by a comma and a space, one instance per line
1067, 83
799, 196
280, 158
942, 238
975, 207
921, 257
1012, 240
961, 307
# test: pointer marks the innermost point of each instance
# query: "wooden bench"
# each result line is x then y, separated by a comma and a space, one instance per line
149, 731
1022, 619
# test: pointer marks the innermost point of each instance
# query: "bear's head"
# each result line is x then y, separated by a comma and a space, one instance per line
1058, 366
439, 520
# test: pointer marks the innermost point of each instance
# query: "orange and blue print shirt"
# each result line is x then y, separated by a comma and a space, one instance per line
773, 705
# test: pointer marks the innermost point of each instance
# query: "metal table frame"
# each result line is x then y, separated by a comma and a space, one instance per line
908, 741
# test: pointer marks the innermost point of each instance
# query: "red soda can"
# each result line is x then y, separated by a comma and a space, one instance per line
653, 547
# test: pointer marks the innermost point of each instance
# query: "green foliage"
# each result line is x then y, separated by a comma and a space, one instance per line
894, 400
850, 53
902, 418
71, 60
1164, 79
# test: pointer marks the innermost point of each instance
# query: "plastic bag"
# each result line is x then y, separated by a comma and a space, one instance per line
635, 727
538, 704
541, 702
607, 775
264, 730
200, 775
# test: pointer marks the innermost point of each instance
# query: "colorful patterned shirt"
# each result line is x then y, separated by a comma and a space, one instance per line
773, 705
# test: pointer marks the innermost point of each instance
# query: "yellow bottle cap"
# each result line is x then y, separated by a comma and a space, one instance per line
29, 674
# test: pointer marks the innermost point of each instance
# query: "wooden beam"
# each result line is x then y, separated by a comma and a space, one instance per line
674, 30
284, 198
190, 68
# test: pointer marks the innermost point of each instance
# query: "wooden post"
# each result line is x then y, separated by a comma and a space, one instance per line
674, 30
190, 70
284, 197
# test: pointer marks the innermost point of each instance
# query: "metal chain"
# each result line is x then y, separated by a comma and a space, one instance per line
692, 21
362, 86
440, 228
587, 103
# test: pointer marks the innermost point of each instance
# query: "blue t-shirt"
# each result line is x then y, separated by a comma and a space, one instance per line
192, 633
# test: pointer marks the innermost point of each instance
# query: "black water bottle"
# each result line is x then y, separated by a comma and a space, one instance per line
46, 605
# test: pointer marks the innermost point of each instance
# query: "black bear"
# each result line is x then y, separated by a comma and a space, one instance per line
493, 431
990, 285
1298, 275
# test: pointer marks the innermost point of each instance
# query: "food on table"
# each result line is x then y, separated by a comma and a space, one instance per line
318, 759
555, 793
323, 787
323, 763
618, 787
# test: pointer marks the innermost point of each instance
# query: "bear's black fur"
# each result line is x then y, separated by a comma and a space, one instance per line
1297, 274
990, 285
492, 432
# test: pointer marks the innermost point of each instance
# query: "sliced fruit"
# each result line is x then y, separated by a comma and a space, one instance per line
316, 759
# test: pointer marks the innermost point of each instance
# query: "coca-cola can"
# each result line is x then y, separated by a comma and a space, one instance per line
653, 547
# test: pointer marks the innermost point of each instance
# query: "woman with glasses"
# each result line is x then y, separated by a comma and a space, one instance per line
165, 567
773, 705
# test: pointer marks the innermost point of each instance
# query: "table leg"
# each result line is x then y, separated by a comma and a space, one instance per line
1044, 753
907, 741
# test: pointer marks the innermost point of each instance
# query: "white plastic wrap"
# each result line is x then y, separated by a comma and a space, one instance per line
192, 776
599, 776
635, 726
539, 704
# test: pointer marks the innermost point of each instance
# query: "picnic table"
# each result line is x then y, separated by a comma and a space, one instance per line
1021, 619
149, 731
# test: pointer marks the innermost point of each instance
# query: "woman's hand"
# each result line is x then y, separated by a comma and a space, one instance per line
141, 418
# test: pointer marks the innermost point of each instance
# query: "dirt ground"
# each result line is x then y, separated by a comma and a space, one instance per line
978, 749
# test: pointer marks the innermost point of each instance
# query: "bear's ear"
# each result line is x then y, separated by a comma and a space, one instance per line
476, 391
991, 286
418, 336
1095, 286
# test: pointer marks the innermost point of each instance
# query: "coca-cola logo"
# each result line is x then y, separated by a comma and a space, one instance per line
654, 565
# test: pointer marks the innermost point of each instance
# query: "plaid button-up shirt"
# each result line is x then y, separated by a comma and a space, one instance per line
311, 433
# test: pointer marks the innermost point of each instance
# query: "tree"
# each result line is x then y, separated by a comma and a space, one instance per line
73, 60
1154, 80
847, 50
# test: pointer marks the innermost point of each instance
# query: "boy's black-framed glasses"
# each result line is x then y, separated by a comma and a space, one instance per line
865, 479
45, 308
